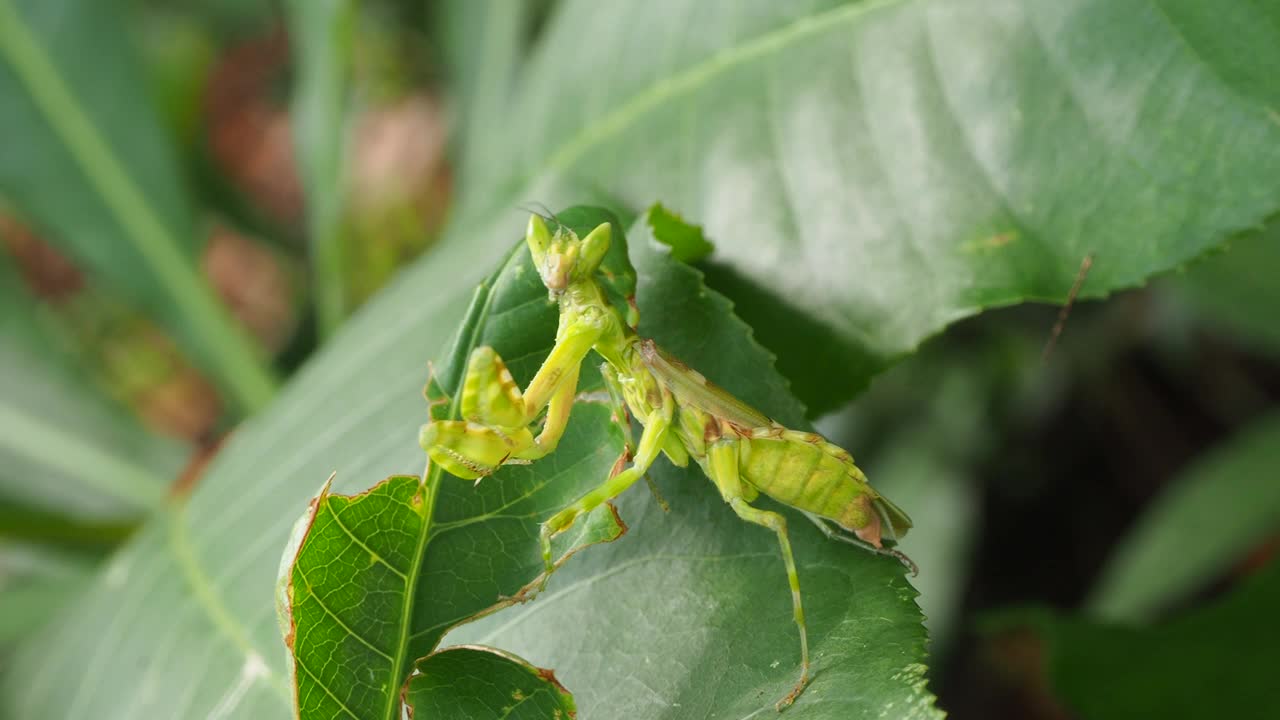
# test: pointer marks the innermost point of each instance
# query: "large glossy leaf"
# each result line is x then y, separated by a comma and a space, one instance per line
88, 161
873, 171
1226, 504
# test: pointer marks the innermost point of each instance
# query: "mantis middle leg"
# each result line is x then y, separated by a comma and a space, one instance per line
723, 467
651, 441
621, 417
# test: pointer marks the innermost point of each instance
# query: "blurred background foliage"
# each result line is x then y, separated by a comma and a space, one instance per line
1125, 482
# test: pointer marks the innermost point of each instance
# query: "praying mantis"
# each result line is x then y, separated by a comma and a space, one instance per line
683, 416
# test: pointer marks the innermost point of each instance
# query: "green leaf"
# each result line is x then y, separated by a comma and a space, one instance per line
873, 171
375, 582
1210, 517
66, 451
321, 34
479, 682
687, 243
690, 608
1218, 661
95, 171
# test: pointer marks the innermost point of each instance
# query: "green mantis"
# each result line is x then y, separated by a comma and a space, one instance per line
683, 415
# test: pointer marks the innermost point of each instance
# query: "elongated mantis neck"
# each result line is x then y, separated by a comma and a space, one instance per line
584, 303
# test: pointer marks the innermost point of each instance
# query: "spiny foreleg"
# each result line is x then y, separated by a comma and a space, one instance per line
496, 414
469, 450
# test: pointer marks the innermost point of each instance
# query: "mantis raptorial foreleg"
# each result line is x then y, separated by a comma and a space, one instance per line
561, 366
469, 450
490, 395
495, 430
722, 462
557, 418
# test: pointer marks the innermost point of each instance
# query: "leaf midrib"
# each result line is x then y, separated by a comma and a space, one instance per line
430, 489
179, 543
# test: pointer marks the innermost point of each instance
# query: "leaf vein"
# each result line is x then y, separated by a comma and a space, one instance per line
337, 519
338, 619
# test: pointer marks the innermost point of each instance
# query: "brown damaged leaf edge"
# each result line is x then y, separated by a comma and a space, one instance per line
550, 676
284, 590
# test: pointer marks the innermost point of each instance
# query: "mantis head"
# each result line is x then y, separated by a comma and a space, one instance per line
561, 258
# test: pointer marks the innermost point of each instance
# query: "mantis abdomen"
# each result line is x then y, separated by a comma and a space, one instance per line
796, 470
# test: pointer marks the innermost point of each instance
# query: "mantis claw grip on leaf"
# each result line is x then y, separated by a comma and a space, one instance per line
684, 416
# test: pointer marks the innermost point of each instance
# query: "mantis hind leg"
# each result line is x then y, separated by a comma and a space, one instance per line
723, 465
833, 534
